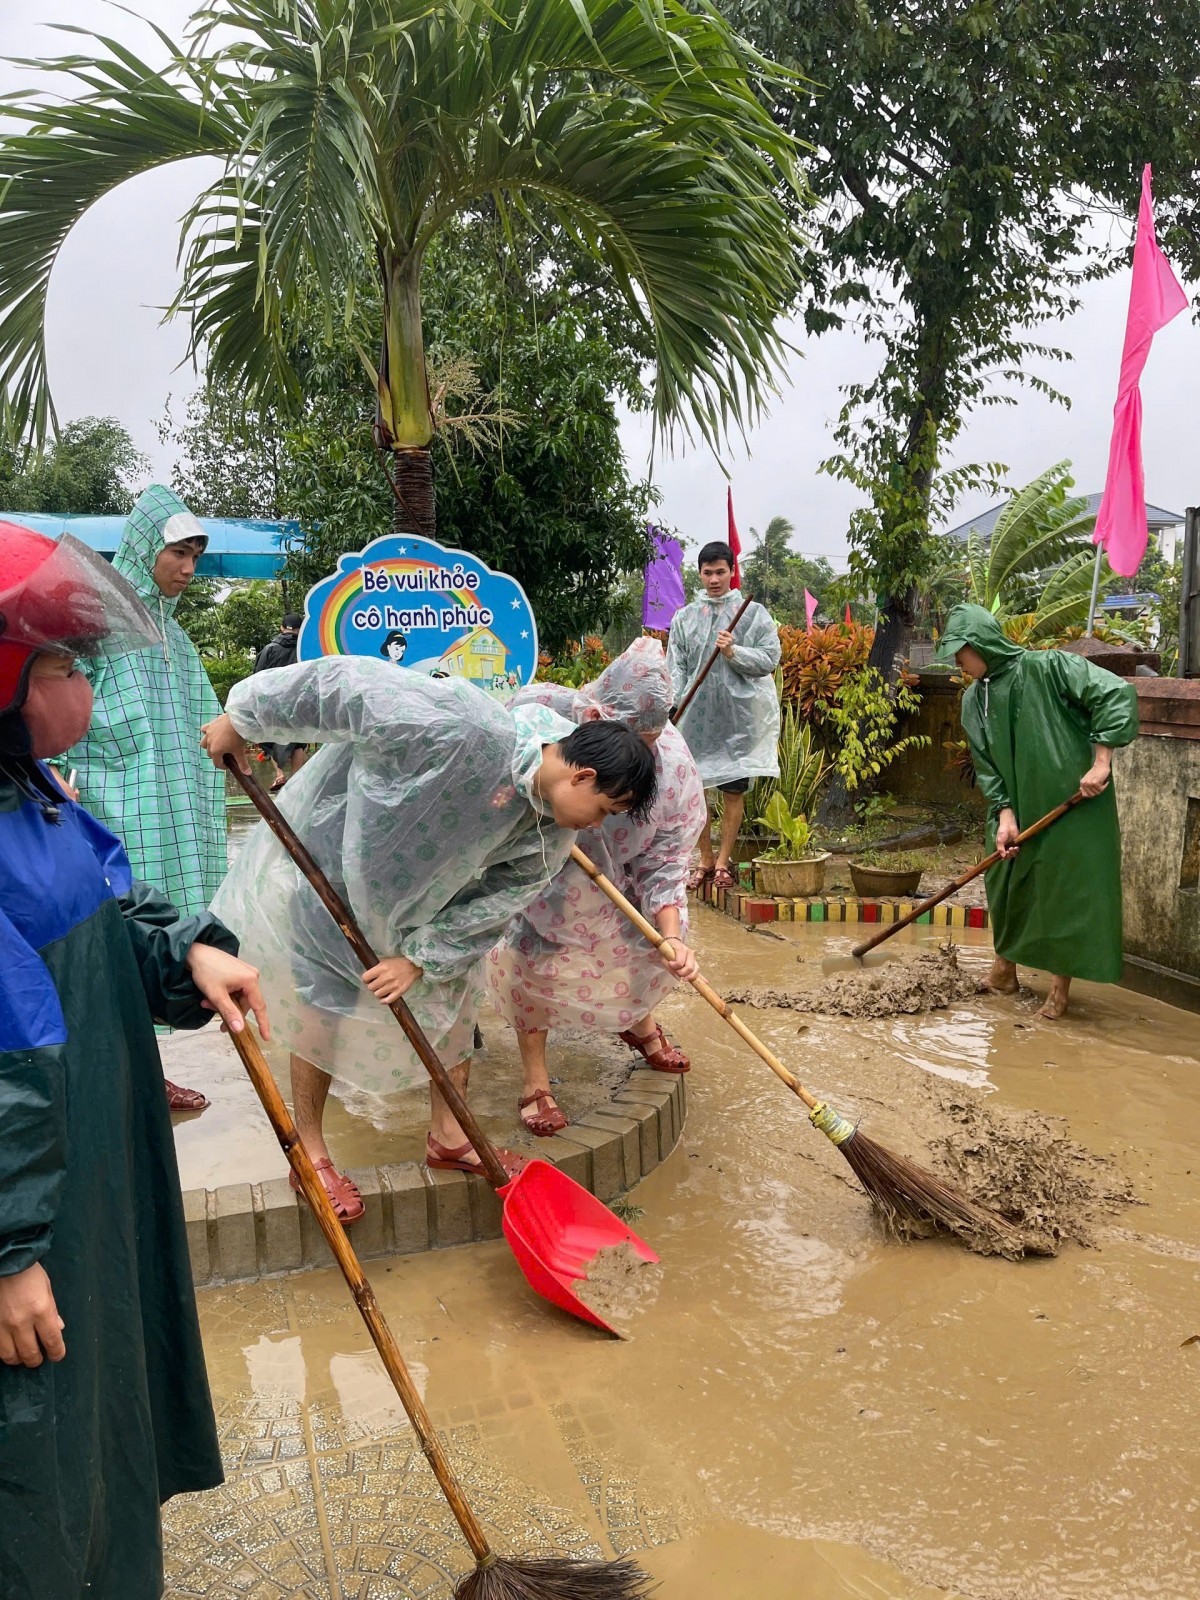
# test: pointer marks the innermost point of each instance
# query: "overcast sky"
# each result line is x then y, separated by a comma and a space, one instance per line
110, 355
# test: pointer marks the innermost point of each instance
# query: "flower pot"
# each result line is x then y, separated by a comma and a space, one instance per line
792, 879
869, 882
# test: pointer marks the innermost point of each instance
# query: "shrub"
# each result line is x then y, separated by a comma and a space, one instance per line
816, 662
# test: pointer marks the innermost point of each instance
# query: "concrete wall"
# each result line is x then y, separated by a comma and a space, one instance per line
1158, 797
921, 774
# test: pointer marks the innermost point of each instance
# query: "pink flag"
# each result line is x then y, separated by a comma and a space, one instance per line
1154, 298
810, 607
735, 544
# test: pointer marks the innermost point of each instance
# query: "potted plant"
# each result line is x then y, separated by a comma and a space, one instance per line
896, 872
790, 868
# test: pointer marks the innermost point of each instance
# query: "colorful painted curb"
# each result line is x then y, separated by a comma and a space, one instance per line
749, 907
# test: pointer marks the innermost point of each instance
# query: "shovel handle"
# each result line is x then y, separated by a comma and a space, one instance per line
709, 664
493, 1167
267, 1090
860, 950
706, 992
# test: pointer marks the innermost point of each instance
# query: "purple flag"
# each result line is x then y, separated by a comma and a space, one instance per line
664, 581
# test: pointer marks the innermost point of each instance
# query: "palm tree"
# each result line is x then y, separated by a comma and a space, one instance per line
634, 131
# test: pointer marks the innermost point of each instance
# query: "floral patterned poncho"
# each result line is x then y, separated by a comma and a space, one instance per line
419, 808
571, 958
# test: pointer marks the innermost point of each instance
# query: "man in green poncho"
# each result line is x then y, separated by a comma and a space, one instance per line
141, 770
1042, 724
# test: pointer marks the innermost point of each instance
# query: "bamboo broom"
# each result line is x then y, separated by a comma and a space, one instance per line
494, 1577
903, 1193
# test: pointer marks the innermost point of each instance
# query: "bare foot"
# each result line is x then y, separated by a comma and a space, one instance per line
1056, 1000
1002, 979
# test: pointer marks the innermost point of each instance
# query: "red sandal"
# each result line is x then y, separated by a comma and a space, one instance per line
544, 1122
444, 1158
723, 878
699, 877
667, 1058
181, 1099
343, 1192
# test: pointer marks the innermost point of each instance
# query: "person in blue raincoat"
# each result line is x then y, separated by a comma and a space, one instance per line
104, 1401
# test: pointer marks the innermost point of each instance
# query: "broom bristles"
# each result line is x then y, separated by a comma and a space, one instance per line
908, 1199
555, 1578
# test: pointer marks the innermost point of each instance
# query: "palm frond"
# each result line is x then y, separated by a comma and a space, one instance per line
1065, 599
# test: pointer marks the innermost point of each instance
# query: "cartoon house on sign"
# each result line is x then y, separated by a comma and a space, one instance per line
478, 656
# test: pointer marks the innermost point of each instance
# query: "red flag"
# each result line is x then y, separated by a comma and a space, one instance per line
849, 623
735, 544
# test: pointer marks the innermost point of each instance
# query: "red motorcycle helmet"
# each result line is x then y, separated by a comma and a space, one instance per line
58, 595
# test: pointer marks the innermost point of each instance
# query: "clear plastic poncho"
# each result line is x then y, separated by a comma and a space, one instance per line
419, 808
570, 957
732, 725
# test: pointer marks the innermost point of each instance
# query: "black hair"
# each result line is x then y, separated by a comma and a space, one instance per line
716, 550
293, 619
395, 637
623, 763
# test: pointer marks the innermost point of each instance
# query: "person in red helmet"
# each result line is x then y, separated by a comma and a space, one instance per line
104, 1401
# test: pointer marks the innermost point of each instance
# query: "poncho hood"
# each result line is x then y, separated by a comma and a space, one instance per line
535, 726
973, 625
634, 689
159, 517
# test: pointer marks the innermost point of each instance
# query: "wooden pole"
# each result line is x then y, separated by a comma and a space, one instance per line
267, 1089
860, 950
493, 1168
677, 714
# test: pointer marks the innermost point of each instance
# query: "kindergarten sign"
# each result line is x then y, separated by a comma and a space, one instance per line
416, 604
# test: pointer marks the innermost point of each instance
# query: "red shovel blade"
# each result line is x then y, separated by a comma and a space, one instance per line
555, 1228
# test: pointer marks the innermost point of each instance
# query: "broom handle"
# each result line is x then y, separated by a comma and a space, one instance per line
493, 1168
709, 664
704, 990
267, 1089
860, 950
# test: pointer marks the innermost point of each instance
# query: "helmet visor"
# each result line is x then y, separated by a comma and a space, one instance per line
73, 603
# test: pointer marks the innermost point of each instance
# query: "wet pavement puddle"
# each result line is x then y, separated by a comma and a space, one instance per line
806, 1409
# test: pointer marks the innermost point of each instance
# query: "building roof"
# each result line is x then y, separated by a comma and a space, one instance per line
1157, 517
237, 547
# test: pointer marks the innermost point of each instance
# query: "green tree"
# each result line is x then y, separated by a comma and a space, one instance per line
92, 468
775, 575
958, 149
360, 129
532, 477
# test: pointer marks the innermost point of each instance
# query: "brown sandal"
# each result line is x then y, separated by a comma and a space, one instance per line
699, 877
181, 1099
667, 1058
343, 1192
723, 878
544, 1122
444, 1158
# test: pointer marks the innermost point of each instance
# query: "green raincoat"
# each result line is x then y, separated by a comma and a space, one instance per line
141, 769
1031, 724
89, 1188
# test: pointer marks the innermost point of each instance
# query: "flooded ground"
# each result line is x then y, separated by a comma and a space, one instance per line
804, 1409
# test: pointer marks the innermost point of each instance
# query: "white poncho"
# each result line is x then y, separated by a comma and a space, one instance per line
571, 958
732, 725
419, 809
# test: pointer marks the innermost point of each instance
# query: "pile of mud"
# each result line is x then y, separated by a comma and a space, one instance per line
615, 1284
929, 982
1021, 1166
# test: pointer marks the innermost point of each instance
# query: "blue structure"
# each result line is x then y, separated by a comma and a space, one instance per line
237, 547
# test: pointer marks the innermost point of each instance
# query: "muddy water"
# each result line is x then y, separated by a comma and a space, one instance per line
805, 1409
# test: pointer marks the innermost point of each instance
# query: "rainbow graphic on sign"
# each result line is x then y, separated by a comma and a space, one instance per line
416, 604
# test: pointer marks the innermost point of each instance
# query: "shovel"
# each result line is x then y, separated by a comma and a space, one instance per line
860, 950
554, 1227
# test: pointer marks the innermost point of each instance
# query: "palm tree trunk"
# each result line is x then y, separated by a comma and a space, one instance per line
412, 483
409, 429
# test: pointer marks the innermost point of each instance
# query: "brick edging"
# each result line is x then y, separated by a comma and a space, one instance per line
243, 1231
753, 908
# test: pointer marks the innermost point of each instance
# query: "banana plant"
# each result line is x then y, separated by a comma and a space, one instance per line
638, 132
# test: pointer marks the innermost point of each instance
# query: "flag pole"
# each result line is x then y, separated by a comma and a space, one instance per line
1095, 590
